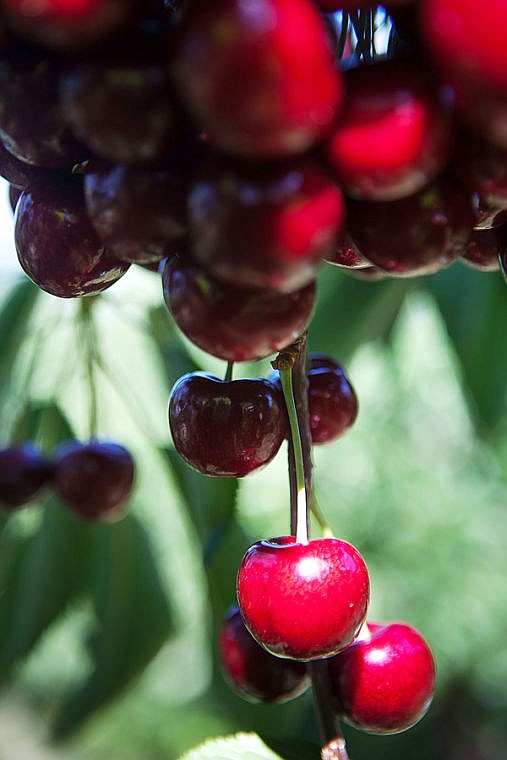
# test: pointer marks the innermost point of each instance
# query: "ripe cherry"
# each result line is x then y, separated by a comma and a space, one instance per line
481, 251
93, 479
394, 135
255, 673
233, 323
303, 601
264, 226
332, 402
258, 77
24, 471
384, 682
57, 246
226, 429
345, 254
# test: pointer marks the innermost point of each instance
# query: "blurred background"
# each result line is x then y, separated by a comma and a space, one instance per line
108, 633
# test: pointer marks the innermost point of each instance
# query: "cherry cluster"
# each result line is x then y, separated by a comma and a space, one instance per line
93, 480
226, 146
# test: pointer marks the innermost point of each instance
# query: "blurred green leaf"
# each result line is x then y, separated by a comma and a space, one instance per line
14, 317
177, 361
238, 747
133, 618
294, 749
474, 307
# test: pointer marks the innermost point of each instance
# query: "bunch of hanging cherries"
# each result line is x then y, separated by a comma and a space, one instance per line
235, 147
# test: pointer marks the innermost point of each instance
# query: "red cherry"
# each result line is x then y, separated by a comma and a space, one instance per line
303, 601
259, 77
394, 135
416, 235
346, 254
264, 226
384, 683
255, 673
481, 251
93, 479
332, 403
482, 167
23, 473
232, 323
226, 429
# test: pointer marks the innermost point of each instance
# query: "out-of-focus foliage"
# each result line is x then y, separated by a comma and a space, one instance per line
108, 633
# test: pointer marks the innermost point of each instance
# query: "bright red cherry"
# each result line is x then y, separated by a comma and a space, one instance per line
303, 601
384, 682
57, 246
264, 226
332, 402
259, 77
24, 471
93, 479
226, 429
233, 323
394, 135
255, 673
416, 235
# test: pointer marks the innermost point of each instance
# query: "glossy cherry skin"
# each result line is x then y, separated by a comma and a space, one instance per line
259, 77
345, 254
68, 23
24, 472
303, 601
137, 212
226, 429
416, 235
57, 246
481, 251
264, 226
332, 403
394, 135
232, 323
93, 479
255, 673
384, 683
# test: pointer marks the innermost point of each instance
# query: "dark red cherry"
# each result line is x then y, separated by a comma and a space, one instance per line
256, 674
332, 403
57, 246
303, 601
93, 479
24, 471
264, 226
68, 23
226, 429
14, 196
345, 254
258, 77
32, 126
137, 212
232, 323
481, 251
416, 235
394, 135
482, 167
384, 681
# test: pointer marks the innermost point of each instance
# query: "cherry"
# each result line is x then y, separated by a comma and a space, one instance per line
416, 235
24, 471
384, 682
345, 254
394, 135
255, 673
259, 77
481, 251
226, 429
137, 212
14, 195
264, 226
232, 323
57, 246
332, 402
93, 479
482, 167
303, 601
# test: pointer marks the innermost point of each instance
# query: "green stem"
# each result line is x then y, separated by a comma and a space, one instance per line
301, 504
228, 372
321, 520
90, 345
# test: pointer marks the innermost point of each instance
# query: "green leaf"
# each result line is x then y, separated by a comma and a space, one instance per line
351, 312
46, 571
133, 618
238, 747
474, 307
176, 359
14, 317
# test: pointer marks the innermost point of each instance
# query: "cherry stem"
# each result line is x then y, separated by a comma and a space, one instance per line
321, 520
228, 372
90, 343
301, 496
